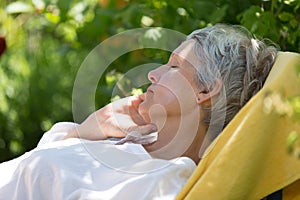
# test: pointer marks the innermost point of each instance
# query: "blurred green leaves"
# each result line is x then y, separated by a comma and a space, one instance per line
47, 40
289, 108
293, 143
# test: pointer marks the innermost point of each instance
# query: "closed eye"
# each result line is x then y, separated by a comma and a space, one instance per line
174, 67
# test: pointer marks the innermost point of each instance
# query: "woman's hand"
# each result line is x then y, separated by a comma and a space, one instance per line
116, 119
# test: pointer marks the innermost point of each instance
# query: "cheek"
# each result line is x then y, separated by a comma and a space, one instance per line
174, 93
181, 93
166, 97
159, 105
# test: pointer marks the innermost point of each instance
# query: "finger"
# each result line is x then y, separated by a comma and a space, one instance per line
133, 112
145, 129
136, 117
136, 101
142, 96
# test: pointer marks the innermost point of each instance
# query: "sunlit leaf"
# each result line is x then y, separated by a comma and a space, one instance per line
290, 142
19, 7
136, 91
158, 4
146, 21
15, 147
117, 97
39, 4
295, 102
67, 31
52, 18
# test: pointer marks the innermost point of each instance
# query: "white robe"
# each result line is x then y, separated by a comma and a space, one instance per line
81, 169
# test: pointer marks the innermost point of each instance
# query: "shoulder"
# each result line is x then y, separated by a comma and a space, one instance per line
57, 132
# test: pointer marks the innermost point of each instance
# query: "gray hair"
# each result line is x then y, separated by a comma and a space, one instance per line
234, 56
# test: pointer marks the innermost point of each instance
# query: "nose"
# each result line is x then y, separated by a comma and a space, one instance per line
153, 75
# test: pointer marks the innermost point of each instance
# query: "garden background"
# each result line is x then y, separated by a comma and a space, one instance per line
44, 42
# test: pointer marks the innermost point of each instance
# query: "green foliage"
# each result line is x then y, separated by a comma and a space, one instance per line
289, 108
49, 39
293, 143
277, 20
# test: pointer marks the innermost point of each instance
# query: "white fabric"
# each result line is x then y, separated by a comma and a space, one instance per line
81, 169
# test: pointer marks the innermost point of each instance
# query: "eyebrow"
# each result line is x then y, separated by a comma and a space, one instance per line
180, 60
177, 58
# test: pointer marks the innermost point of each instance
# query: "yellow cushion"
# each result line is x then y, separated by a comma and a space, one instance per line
249, 160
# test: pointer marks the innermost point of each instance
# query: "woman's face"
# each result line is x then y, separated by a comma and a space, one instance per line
173, 89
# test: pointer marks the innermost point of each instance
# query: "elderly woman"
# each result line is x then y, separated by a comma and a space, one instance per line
206, 81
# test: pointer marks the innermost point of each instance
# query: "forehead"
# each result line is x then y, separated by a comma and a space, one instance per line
185, 47
186, 52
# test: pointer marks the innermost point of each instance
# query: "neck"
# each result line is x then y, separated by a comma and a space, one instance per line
179, 136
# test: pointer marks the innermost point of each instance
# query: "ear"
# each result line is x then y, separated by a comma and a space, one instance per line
205, 96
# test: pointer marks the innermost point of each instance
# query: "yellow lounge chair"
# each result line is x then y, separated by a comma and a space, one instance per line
249, 160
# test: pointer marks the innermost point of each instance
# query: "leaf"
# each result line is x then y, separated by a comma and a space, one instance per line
295, 102
19, 7
218, 14
52, 18
291, 141
250, 17
136, 91
67, 31
294, 23
39, 4
285, 16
